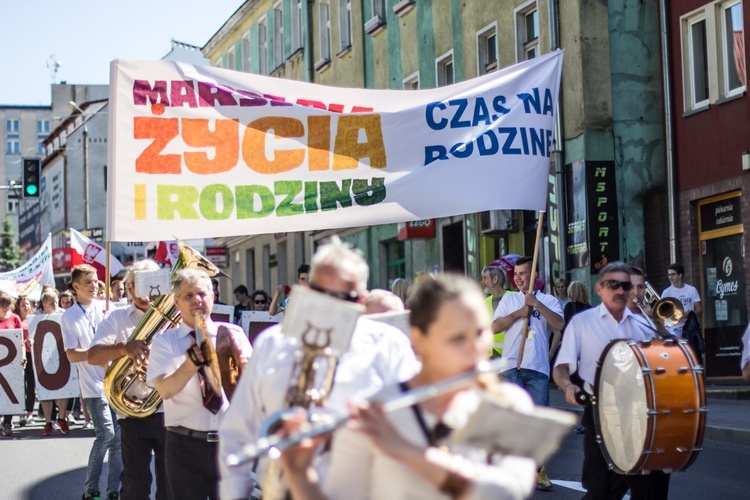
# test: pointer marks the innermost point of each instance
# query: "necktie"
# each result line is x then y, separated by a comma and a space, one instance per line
441, 431
211, 401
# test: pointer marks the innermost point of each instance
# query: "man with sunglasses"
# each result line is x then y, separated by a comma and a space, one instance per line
586, 336
378, 355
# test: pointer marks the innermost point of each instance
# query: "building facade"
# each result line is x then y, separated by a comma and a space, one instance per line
609, 149
712, 164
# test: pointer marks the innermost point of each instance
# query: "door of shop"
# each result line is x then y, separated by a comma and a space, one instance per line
723, 283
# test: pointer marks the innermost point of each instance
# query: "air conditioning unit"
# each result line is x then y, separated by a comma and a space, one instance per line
498, 222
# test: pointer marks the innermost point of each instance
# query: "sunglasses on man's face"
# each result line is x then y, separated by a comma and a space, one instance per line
615, 285
349, 297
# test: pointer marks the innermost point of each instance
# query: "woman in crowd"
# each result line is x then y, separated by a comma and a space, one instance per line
402, 288
579, 300
23, 309
561, 293
49, 306
403, 454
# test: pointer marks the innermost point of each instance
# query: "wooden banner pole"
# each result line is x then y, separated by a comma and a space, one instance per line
532, 283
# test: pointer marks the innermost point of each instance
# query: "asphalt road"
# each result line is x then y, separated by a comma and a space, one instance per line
33, 467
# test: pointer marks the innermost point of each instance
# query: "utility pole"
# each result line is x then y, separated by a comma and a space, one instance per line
85, 164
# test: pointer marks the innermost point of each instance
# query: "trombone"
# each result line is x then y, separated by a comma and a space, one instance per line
274, 445
667, 312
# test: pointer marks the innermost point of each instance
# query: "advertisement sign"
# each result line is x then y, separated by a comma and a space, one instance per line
29, 228
721, 214
577, 240
217, 255
604, 228
416, 230
53, 197
204, 151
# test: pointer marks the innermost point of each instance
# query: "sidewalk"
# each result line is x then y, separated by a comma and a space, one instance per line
728, 418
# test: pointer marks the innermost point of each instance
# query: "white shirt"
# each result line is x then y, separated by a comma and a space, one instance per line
79, 324
167, 354
745, 348
379, 355
688, 295
536, 351
117, 327
589, 332
358, 470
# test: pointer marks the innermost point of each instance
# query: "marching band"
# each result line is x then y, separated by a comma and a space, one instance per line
324, 384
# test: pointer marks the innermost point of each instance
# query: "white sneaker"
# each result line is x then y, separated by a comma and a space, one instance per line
30, 420
87, 425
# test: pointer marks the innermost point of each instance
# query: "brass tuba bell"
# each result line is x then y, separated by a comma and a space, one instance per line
125, 382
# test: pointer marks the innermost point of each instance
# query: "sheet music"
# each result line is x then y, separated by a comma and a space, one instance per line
399, 319
320, 319
152, 283
497, 428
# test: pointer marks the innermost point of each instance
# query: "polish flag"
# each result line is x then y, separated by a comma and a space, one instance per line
167, 252
85, 251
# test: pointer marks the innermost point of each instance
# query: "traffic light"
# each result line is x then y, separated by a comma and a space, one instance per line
31, 177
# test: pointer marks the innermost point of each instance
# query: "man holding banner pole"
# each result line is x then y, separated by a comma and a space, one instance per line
139, 436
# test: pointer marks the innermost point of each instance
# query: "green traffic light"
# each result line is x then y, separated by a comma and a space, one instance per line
31, 190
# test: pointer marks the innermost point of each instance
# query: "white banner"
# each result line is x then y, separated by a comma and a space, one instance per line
37, 271
11, 372
201, 151
56, 377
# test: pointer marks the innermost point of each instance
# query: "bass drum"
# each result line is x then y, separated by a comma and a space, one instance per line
649, 406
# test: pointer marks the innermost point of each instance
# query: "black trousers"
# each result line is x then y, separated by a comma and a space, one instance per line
138, 438
29, 382
601, 483
191, 468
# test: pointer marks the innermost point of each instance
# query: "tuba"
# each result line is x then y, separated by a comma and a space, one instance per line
667, 312
125, 381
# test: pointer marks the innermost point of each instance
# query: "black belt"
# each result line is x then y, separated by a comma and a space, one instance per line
209, 436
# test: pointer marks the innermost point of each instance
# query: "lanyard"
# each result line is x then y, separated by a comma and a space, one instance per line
86, 315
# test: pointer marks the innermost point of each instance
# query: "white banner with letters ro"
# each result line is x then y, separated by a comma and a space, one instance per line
201, 151
12, 355
56, 377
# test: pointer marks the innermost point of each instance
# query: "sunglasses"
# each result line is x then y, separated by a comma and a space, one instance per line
347, 296
260, 301
614, 285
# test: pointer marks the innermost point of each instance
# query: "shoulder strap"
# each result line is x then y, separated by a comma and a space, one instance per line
420, 418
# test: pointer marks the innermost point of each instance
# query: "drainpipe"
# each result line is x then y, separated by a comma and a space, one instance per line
668, 144
557, 153
309, 49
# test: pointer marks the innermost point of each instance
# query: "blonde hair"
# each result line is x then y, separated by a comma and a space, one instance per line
577, 292
343, 258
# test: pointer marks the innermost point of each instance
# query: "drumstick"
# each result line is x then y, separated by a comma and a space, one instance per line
532, 280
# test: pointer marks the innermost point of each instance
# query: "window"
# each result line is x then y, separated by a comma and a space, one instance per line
296, 25
345, 25
377, 21
395, 260
444, 69
411, 82
42, 127
487, 50
324, 17
231, 59
12, 147
12, 126
246, 53
733, 49
278, 35
698, 63
262, 48
527, 32
40, 147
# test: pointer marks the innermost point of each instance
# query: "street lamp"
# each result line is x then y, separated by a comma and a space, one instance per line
75, 106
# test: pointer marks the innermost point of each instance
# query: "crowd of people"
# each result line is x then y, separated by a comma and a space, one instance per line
403, 454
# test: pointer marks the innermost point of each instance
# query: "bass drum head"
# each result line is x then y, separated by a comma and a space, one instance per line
621, 408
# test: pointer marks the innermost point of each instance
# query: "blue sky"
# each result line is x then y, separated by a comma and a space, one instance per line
85, 35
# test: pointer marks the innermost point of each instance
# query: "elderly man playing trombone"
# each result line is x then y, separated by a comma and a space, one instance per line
379, 355
178, 370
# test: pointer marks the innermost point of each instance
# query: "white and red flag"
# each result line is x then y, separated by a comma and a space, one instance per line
85, 251
167, 252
